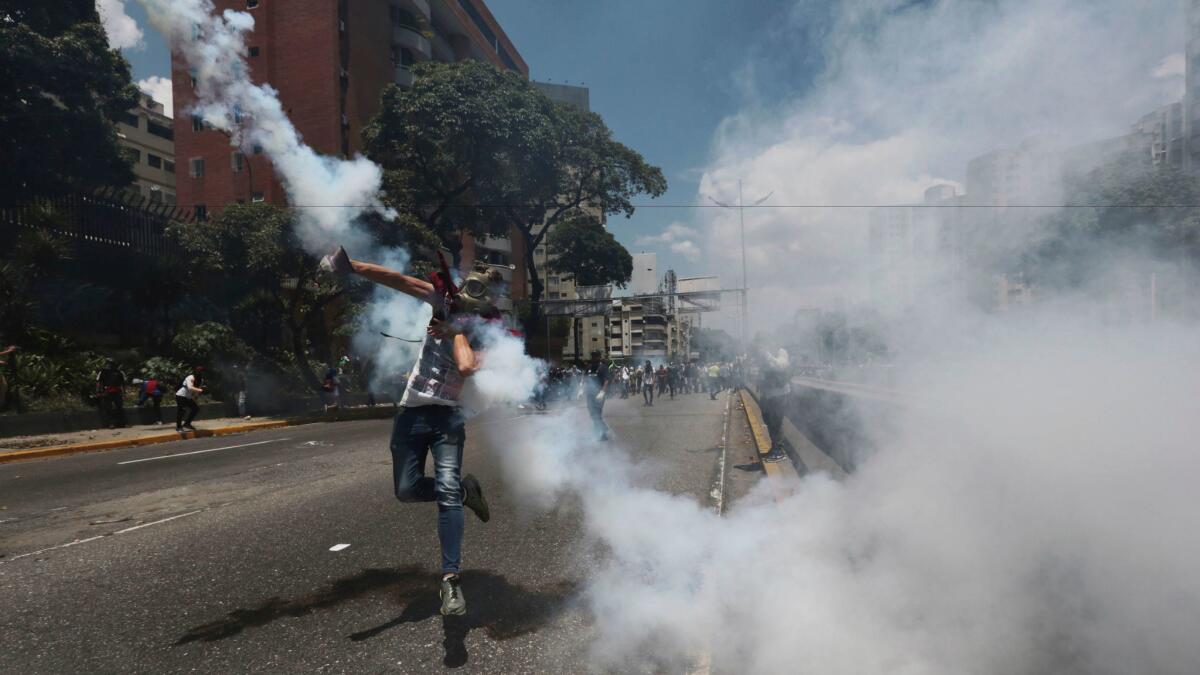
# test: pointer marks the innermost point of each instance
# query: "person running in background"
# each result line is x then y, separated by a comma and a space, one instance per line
239, 385
185, 400
597, 382
714, 380
110, 393
151, 390
648, 383
331, 388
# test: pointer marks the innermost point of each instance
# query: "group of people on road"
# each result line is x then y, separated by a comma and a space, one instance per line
110, 396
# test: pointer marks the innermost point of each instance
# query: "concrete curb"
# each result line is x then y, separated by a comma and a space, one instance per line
78, 448
783, 476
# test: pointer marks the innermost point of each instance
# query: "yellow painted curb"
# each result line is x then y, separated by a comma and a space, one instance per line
781, 475
38, 453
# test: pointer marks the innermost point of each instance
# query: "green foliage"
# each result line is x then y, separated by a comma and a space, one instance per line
471, 148
210, 342
585, 250
25, 262
63, 89
162, 368
252, 262
453, 144
1129, 208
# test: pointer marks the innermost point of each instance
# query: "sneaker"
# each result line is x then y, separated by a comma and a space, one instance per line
453, 602
473, 498
189, 427
775, 455
178, 429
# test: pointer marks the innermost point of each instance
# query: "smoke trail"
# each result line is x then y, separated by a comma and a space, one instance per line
330, 193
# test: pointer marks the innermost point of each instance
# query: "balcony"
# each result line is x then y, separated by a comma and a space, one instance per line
404, 77
410, 37
422, 7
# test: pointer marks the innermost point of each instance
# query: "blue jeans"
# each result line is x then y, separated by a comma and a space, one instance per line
442, 430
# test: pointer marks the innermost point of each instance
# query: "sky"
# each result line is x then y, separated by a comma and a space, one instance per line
663, 74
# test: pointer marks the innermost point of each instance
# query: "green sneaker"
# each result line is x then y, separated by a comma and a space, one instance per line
473, 498
453, 602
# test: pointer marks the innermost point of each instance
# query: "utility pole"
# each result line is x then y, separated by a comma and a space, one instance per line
741, 207
745, 294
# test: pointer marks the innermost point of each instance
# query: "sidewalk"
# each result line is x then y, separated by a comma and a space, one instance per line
48, 445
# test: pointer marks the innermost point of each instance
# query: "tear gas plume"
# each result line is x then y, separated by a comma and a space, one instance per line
329, 193
1028, 507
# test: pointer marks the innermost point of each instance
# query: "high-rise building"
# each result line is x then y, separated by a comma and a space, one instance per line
146, 136
1191, 92
330, 61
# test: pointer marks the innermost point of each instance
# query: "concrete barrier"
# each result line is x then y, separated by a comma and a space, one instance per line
825, 423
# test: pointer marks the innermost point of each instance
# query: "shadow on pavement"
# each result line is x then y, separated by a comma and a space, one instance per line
502, 609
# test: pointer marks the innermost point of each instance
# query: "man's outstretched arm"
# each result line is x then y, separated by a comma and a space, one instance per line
418, 288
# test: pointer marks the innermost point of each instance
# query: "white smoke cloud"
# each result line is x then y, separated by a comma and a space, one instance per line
159, 88
910, 92
123, 32
330, 193
1173, 65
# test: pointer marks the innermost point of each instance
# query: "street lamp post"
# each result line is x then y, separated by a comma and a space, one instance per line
741, 207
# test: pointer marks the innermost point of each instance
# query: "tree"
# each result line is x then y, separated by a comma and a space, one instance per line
451, 144
1131, 208
63, 89
585, 168
248, 259
583, 249
471, 148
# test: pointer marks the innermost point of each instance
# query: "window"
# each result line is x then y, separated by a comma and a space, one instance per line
201, 212
197, 167
169, 166
192, 76
237, 161
237, 114
553, 281
129, 119
197, 123
154, 160
134, 155
406, 58
404, 19
160, 130
251, 4
257, 149
253, 51
256, 197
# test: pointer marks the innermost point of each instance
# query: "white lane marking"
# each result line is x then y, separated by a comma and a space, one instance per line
52, 548
158, 522
101, 536
200, 452
339, 547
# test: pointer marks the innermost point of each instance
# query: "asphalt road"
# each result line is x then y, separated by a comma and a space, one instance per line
214, 555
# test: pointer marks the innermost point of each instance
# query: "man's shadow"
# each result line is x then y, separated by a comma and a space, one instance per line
502, 609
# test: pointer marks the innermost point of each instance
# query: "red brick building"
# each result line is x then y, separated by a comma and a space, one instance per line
330, 60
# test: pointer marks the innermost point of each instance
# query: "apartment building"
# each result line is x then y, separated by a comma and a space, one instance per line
146, 135
330, 61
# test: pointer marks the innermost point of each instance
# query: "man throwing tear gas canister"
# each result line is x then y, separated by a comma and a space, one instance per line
430, 419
